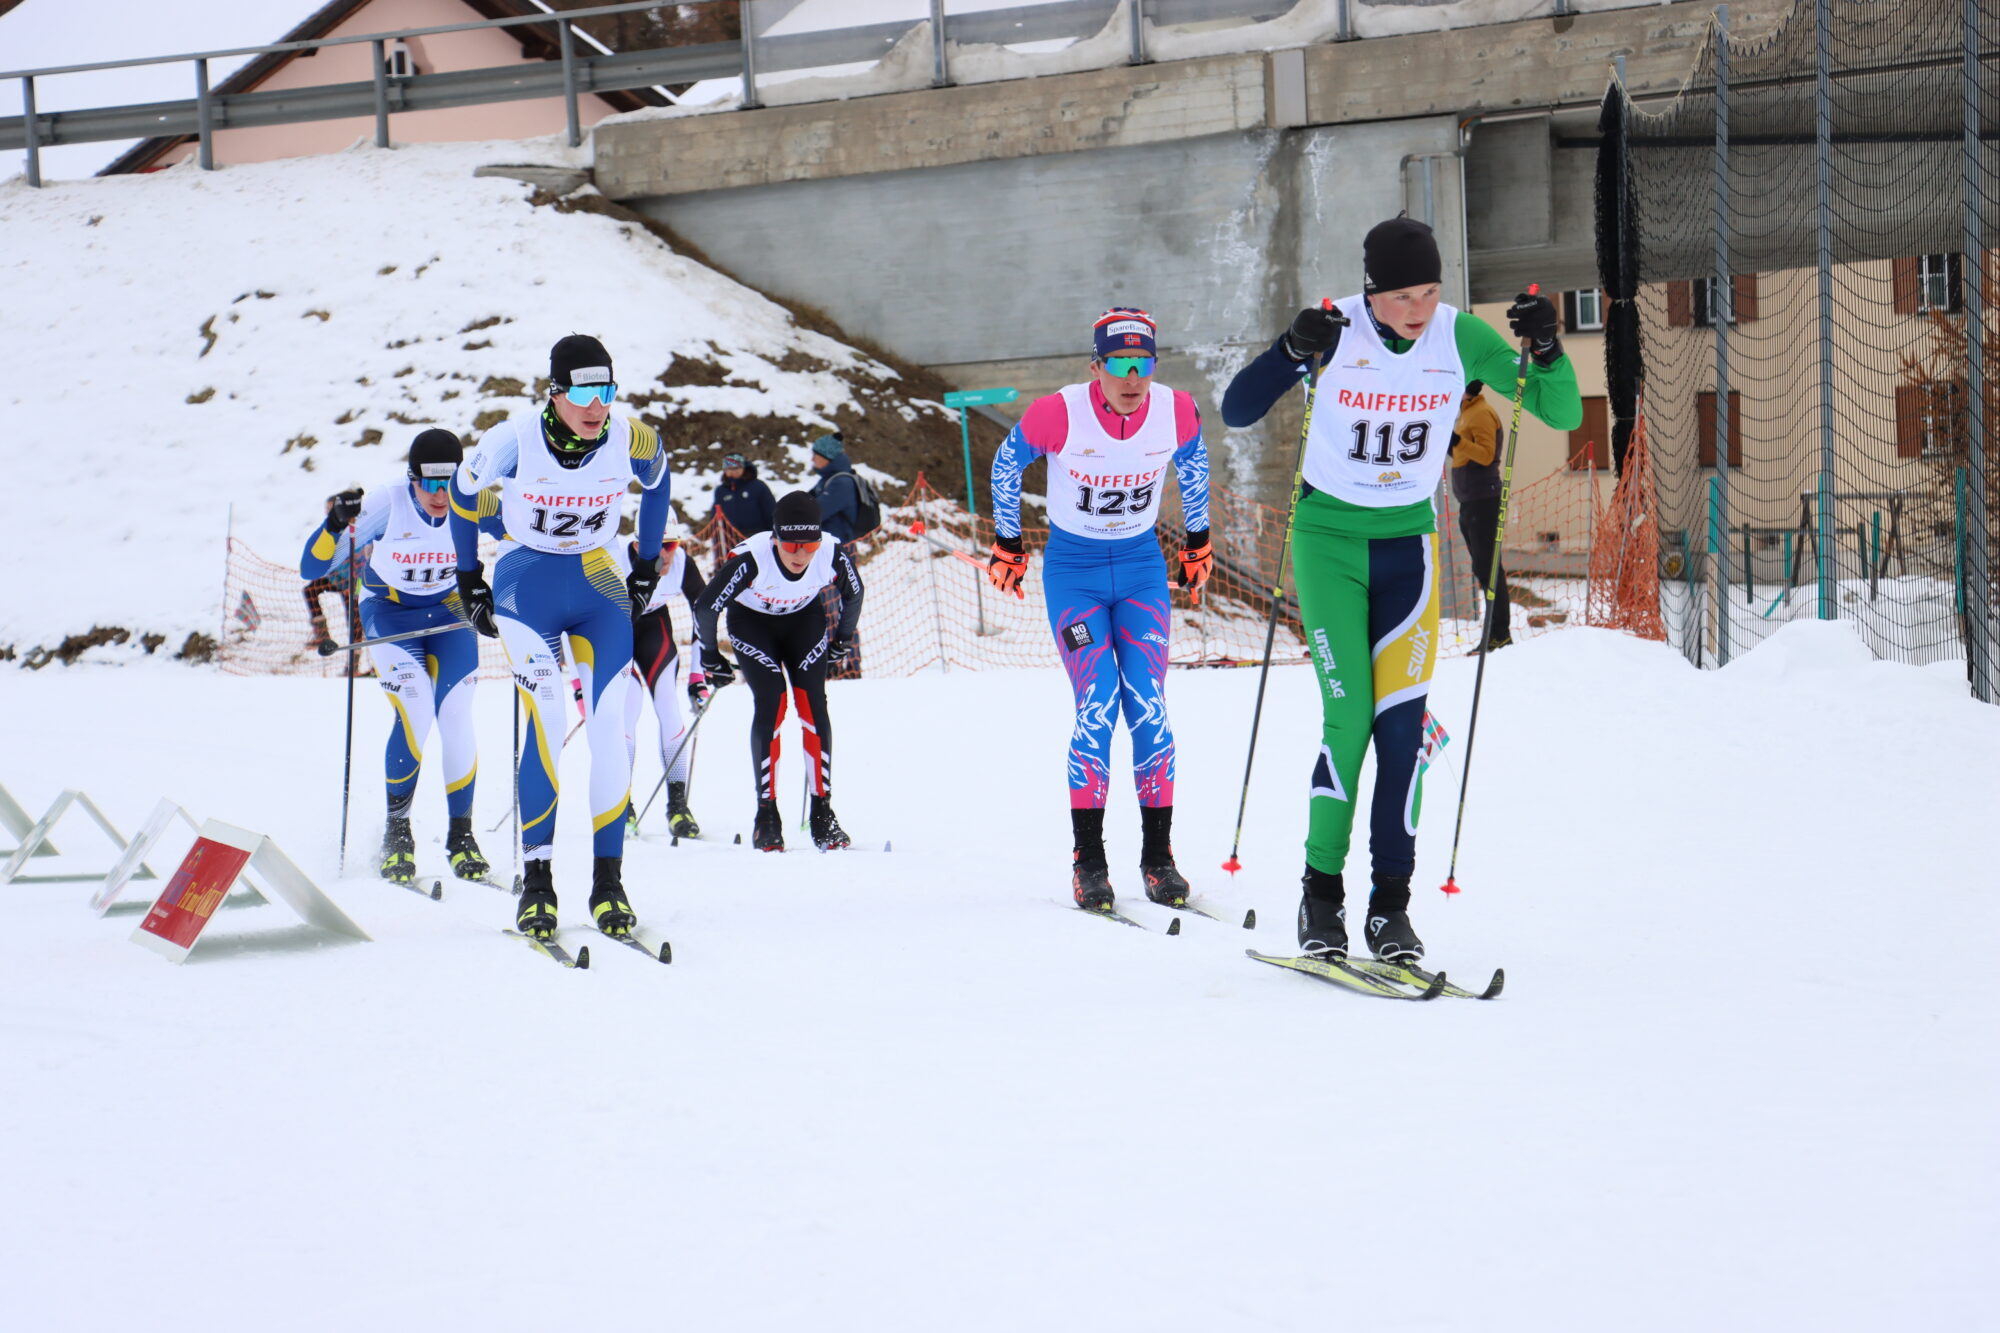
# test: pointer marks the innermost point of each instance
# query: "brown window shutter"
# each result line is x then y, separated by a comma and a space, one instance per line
1910, 420
1680, 304
1704, 417
1744, 290
1903, 281
1591, 442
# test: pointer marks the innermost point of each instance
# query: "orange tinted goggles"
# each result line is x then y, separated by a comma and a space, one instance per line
796, 548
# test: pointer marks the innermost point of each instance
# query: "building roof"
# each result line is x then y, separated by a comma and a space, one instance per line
536, 44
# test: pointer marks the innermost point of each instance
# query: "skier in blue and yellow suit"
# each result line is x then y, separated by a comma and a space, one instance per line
560, 479
406, 584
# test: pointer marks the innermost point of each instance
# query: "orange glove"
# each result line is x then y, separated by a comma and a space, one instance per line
1197, 563
1007, 566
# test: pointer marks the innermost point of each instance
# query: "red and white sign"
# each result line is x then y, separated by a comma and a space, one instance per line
185, 906
220, 853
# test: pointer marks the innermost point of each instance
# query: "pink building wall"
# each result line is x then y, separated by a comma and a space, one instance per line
434, 55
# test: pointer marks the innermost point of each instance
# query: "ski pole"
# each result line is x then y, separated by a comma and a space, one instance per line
514, 807
1450, 884
347, 760
1232, 865
686, 741
327, 647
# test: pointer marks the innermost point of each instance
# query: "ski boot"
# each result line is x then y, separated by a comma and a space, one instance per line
467, 861
827, 834
536, 915
1090, 874
399, 852
768, 833
680, 819
1164, 882
1323, 916
608, 908
1390, 935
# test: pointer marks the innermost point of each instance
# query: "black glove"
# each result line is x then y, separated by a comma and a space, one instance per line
344, 509
840, 651
1314, 332
1534, 318
1454, 445
476, 600
716, 668
641, 583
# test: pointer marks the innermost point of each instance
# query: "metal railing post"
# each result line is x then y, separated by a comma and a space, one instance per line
381, 96
940, 72
749, 55
1981, 648
34, 147
1823, 232
204, 118
1724, 294
568, 44
1138, 31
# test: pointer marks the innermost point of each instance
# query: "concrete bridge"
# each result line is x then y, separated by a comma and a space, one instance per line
979, 229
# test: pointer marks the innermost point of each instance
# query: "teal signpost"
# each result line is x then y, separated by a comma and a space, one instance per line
962, 399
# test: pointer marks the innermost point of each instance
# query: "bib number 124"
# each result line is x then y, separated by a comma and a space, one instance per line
1414, 440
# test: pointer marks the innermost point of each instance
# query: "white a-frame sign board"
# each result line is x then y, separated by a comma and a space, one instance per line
220, 853
38, 837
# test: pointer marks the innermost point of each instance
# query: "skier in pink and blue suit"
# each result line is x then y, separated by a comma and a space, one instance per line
1109, 442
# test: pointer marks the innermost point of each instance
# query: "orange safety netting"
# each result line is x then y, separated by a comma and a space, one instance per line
1571, 559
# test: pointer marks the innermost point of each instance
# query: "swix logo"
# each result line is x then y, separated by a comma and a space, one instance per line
1324, 652
1420, 652
1389, 478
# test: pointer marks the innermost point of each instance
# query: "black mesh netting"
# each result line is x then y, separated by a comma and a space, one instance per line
1797, 223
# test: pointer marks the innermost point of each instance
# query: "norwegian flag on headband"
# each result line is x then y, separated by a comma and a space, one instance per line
1123, 331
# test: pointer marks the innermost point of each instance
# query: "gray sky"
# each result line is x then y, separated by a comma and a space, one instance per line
39, 33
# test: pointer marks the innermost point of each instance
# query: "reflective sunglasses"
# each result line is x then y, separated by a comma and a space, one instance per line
1121, 366
797, 548
435, 485
582, 395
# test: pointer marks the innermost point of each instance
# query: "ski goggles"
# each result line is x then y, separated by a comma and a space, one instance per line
434, 485
1121, 366
583, 395
799, 548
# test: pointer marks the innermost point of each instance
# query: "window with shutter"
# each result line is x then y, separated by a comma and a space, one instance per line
1680, 304
1590, 443
1704, 416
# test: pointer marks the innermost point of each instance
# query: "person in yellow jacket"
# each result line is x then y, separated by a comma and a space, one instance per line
1475, 489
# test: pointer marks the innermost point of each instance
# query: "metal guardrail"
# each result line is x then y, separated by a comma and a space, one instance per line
570, 77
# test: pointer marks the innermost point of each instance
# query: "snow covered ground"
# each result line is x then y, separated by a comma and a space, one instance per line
1743, 1074
202, 348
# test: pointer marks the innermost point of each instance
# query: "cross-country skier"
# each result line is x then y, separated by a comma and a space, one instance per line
656, 658
407, 584
1364, 541
561, 475
794, 598
1109, 442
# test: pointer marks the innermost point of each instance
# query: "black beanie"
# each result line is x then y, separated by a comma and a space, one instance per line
579, 359
1401, 252
796, 518
435, 453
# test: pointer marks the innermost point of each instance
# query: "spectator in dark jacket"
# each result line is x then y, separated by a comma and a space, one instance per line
742, 498
839, 498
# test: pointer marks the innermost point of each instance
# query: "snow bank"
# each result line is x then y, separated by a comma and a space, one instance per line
190, 344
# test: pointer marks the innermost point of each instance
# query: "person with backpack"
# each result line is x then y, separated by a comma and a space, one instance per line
849, 508
742, 498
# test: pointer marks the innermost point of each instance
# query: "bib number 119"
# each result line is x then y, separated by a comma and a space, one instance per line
1414, 440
